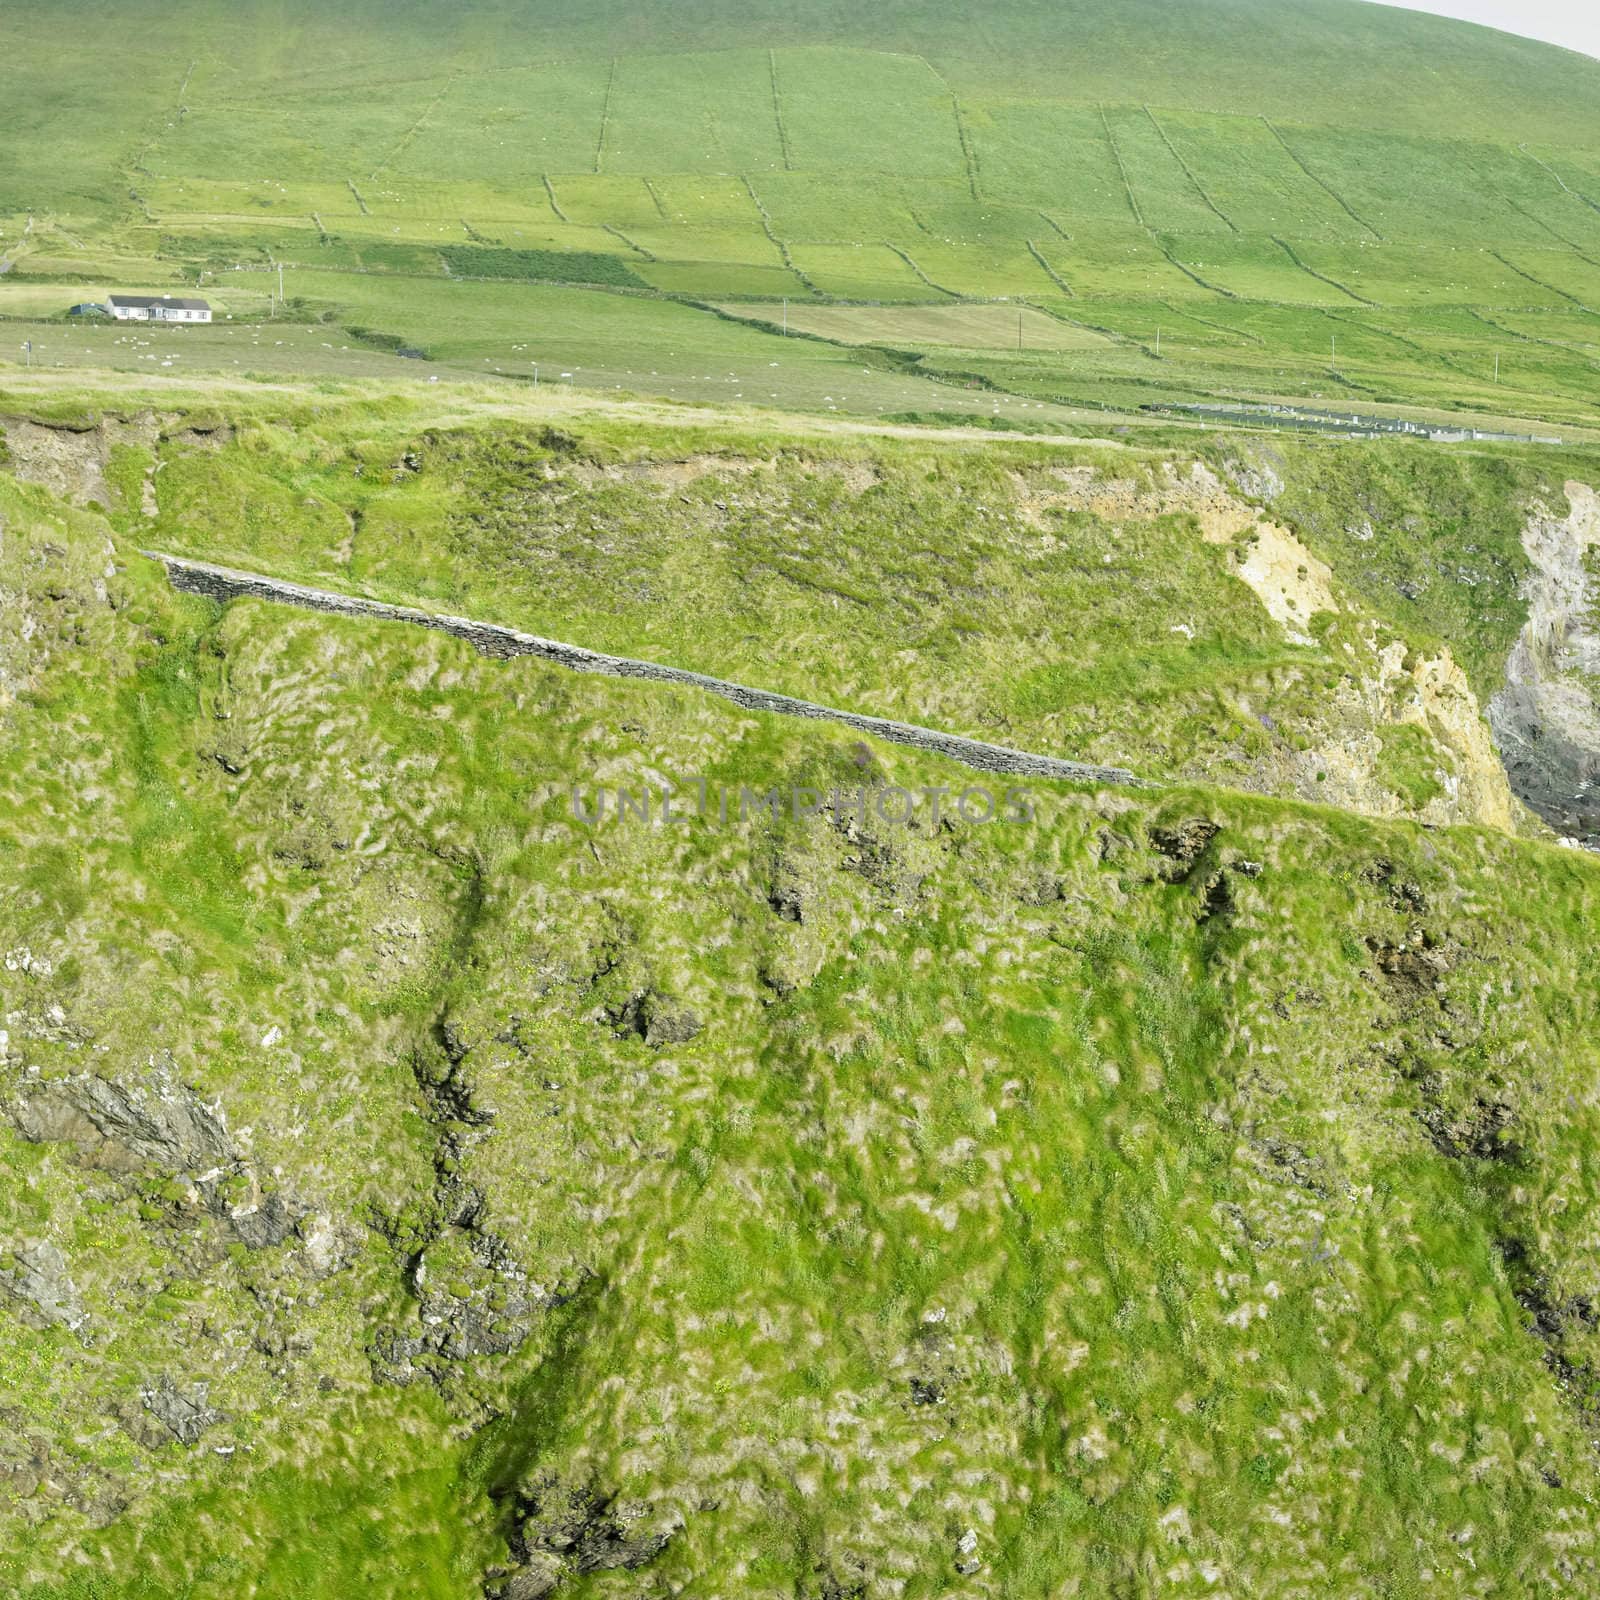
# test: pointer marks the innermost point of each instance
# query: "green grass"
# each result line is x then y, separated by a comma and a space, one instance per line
1410, 765
968, 327
1124, 1174
964, 589
894, 160
536, 266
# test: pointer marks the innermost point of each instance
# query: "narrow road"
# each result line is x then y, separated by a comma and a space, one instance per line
225, 584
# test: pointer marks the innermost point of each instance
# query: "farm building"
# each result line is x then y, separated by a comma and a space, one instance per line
156, 308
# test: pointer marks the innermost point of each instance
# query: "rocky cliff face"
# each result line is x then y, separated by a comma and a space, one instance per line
1546, 719
1385, 694
1316, 695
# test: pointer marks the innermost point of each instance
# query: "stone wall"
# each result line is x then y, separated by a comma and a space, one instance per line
225, 584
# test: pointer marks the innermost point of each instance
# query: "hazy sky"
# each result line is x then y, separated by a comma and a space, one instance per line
1574, 23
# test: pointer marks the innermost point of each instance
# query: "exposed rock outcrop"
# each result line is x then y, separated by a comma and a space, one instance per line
70, 459
161, 1125
36, 1280
1546, 720
186, 1414
574, 1530
123, 1129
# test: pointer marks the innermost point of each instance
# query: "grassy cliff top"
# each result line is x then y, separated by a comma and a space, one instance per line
401, 1176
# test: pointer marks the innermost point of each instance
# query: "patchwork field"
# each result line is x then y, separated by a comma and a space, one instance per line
1271, 249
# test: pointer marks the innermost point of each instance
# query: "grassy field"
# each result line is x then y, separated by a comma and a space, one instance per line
813, 157
966, 327
964, 584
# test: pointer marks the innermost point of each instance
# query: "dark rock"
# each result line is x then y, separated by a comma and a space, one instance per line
1404, 896
1217, 899
1183, 846
784, 898
1296, 1164
1412, 970
441, 1075
926, 1392
491, 1314
1484, 1134
1043, 889
1408, 897
653, 1017
585, 1528
605, 1547
267, 1225
670, 1024
468, 1329
541, 1576
394, 1357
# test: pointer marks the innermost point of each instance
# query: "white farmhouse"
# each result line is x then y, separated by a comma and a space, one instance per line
156, 308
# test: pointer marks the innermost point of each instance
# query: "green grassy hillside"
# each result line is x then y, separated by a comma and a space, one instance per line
430, 1169
408, 1186
1336, 202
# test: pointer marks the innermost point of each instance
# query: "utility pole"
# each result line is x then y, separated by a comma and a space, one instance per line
1497, 366
27, 350
786, 316
1158, 344
280, 286
1334, 345
536, 374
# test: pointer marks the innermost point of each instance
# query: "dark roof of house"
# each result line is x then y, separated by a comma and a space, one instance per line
144, 302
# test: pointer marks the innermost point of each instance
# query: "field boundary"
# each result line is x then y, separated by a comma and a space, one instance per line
1326, 187
1122, 169
225, 584
1189, 272
968, 153
906, 257
1188, 172
777, 113
1049, 271
783, 249
639, 249
404, 142
1539, 283
605, 119
1577, 194
555, 204
1322, 277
